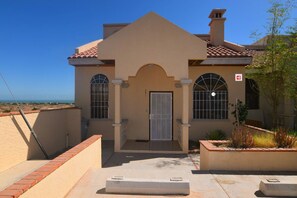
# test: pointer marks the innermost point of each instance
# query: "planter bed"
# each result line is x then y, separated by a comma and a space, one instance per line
213, 157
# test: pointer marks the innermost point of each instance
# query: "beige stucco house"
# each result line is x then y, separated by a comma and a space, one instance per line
151, 81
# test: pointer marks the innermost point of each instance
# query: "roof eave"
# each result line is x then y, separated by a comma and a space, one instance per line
245, 60
84, 61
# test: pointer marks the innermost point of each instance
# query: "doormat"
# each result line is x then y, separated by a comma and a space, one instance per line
141, 140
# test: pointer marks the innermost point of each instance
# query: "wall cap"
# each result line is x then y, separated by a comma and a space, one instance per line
117, 81
29, 181
185, 81
37, 111
209, 145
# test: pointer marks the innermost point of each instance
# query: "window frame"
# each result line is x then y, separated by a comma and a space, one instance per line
99, 97
210, 98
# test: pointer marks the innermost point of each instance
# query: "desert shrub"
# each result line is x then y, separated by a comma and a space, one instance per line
241, 138
7, 111
216, 135
34, 108
283, 139
264, 141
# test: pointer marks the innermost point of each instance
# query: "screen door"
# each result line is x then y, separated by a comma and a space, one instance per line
161, 116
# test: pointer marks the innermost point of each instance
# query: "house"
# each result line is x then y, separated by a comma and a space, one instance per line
153, 81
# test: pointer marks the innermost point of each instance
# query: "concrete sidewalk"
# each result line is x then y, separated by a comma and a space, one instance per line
165, 166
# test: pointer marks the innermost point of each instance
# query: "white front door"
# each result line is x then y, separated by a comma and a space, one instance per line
161, 116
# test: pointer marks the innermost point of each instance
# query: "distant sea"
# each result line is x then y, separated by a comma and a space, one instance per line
39, 101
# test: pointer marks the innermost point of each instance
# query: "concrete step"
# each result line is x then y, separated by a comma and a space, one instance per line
173, 186
275, 187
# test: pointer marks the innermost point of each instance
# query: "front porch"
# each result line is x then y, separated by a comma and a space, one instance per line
137, 146
148, 146
153, 108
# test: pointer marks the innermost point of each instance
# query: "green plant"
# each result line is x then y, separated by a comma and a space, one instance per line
241, 138
275, 69
34, 108
240, 112
216, 135
292, 133
283, 139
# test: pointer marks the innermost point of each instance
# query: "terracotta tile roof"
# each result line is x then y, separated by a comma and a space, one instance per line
212, 51
90, 53
222, 51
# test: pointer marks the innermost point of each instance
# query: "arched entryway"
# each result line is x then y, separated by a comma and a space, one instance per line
152, 106
149, 94
148, 103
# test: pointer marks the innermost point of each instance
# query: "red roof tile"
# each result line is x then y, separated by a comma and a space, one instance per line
212, 51
90, 53
222, 51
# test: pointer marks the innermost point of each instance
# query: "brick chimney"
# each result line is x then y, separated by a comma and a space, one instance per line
217, 26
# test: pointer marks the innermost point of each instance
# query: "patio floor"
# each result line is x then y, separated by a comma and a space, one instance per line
161, 166
164, 166
142, 146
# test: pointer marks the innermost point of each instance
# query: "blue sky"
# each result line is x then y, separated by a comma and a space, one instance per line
37, 36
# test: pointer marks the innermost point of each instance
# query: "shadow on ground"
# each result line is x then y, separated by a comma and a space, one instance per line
260, 194
218, 172
118, 159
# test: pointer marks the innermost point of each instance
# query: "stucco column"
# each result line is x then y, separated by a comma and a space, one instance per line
185, 116
117, 114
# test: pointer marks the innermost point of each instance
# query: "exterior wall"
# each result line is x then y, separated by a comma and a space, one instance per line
236, 90
135, 100
152, 39
101, 126
214, 158
266, 110
83, 76
51, 127
288, 116
256, 116
109, 29
264, 113
217, 30
285, 113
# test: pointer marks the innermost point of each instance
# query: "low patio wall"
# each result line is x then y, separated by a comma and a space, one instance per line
54, 128
253, 159
256, 130
56, 178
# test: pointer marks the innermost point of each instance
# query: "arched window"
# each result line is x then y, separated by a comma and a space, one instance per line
99, 96
210, 97
251, 94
